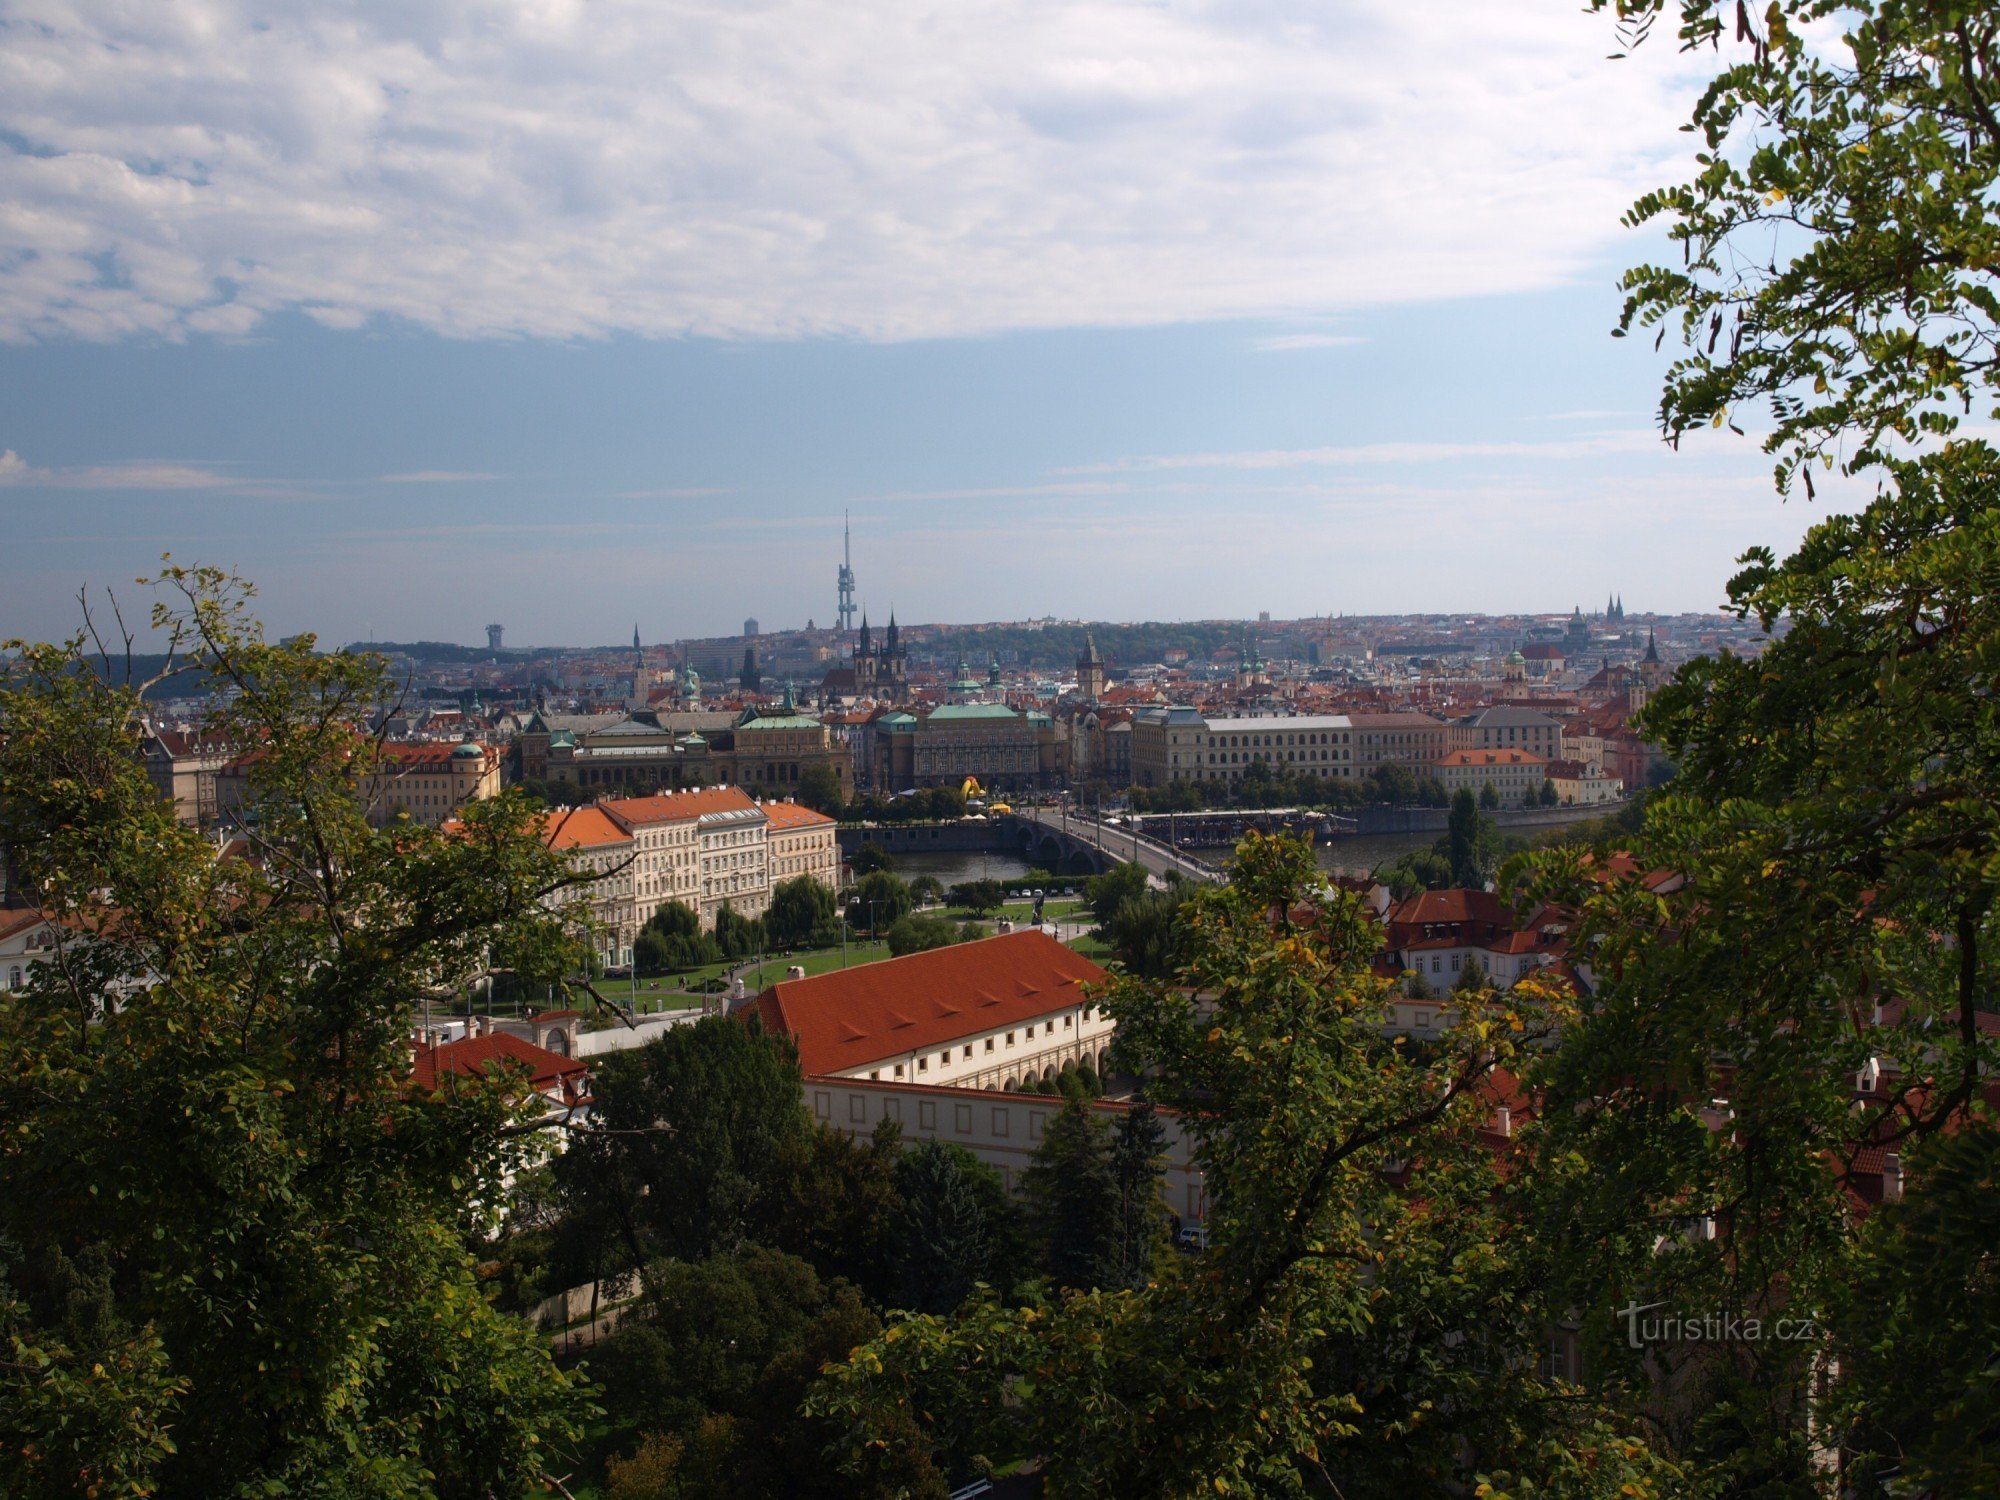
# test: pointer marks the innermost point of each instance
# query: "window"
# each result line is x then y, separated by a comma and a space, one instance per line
989, 1045
857, 1108
1010, 1038
822, 1104
1423, 1019
923, 1066
999, 1121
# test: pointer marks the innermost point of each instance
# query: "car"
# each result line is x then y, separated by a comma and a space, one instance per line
1192, 1237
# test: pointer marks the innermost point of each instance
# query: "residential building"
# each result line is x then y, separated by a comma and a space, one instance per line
1507, 727
801, 843
1515, 775
1579, 784
183, 764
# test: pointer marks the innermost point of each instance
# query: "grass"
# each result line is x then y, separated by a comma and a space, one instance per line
1093, 948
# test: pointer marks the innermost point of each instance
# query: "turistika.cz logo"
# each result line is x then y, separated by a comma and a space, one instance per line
1707, 1328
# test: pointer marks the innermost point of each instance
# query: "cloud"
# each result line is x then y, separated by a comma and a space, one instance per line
1356, 454
434, 476
888, 169
1285, 343
135, 474
690, 492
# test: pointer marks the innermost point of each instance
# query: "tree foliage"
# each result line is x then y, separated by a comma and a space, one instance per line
1356, 1216
231, 1240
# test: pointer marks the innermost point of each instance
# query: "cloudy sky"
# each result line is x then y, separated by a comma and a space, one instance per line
571, 313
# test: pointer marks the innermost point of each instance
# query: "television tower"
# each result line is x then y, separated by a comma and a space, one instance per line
845, 612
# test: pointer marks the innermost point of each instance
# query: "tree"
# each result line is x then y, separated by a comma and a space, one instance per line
945, 1244
1471, 843
737, 936
979, 896
877, 900
915, 934
679, 941
801, 915
1105, 893
869, 858
692, 1133
231, 1236
1548, 796
710, 1377
1488, 797
820, 789
927, 890
1145, 933
1357, 1215
1138, 1166
1073, 1201
1831, 812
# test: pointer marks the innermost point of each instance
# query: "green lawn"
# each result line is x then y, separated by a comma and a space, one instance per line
1093, 948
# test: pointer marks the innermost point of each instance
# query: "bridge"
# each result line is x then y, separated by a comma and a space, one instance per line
1080, 843
1042, 836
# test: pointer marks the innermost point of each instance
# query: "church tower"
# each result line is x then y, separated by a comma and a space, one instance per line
1090, 671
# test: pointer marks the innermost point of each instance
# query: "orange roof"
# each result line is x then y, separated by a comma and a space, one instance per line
848, 1018
792, 815
679, 807
581, 828
1490, 758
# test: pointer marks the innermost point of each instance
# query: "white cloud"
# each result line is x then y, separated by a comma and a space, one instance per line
434, 476
14, 469
134, 474
887, 168
1286, 343
1355, 454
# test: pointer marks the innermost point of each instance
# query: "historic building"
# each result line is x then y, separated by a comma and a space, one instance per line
1004, 749
1177, 743
662, 750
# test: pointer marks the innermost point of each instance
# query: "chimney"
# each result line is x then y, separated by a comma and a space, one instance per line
1892, 1177
1503, 1120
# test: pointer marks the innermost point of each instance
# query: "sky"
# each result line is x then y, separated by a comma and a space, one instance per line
581, 314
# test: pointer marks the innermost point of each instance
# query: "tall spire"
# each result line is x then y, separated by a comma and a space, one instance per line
1652, 646
862, 649
891, 645
635, 637
844, 612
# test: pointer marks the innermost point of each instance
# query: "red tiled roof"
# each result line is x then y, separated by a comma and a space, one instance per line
1458, 905
793, 815
679, 807
476, 1055
1490, 758
581, 828
851, 1017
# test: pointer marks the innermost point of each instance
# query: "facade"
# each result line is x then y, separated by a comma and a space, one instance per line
27, 940
1581, 784
427, 783
1440, 934
661, 750
1506, 727
183, 765
1515, 775
802, 843
430, 783
999, 1014
1177, 743
1004, 749
1002, 1130
1090, 678
705, 849
769, 753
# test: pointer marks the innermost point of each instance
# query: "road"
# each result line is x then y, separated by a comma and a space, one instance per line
1156, 856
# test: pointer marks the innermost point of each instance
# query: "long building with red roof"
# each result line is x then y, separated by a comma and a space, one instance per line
1001, 1013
